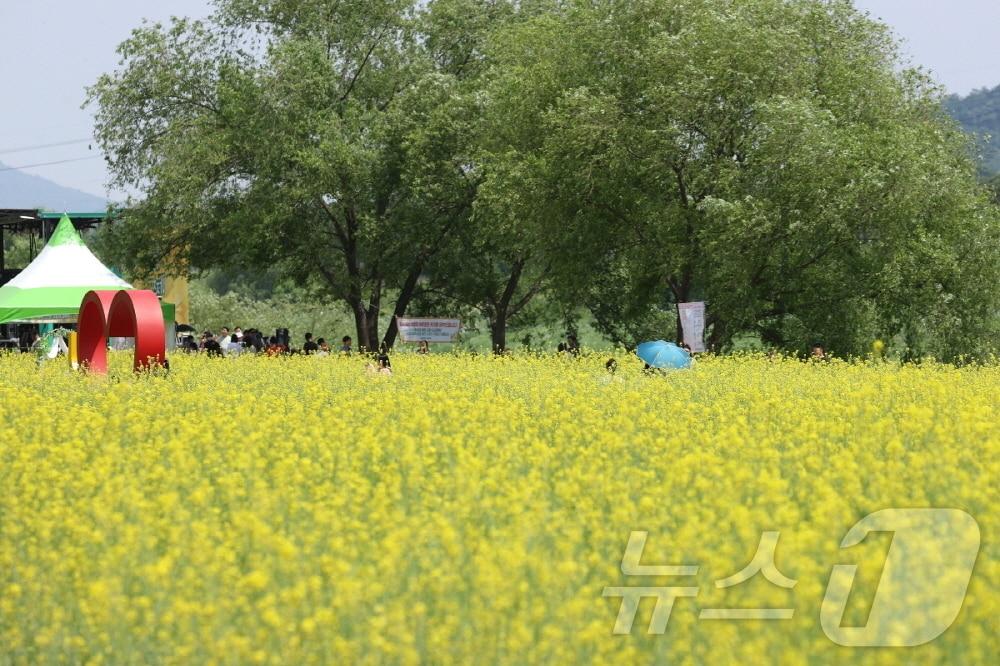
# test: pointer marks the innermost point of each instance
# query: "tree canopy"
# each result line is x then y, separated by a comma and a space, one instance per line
770, 157
287, 133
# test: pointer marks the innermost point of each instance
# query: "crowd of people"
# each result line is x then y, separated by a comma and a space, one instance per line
253, 341
237, 341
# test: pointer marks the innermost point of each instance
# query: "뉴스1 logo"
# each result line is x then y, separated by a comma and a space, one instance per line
919, 595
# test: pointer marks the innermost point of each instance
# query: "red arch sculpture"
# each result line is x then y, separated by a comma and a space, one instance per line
129, 313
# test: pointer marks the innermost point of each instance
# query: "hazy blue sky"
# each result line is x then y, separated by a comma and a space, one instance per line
955, 39
54, 48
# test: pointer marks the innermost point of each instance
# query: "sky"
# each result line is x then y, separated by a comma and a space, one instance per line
53, 49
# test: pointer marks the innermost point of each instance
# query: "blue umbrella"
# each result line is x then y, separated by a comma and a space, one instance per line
662, 354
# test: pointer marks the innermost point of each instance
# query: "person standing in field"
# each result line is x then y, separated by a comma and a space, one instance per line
252, 341
345, 345
423, 347
210, 345
572, 345
309, 347
274, 347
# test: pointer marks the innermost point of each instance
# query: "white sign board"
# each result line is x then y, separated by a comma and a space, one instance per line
693, 324
412, 329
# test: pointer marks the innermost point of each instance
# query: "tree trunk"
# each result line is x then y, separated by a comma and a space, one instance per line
498, 322
360, 322
374, 304
719, 335
406, 294
498, 332
680, 291
355, 297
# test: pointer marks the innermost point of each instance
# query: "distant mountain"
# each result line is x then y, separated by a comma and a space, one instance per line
979, 113
22, 190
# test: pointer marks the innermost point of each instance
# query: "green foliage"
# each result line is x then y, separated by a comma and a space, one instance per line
490, 267
994, 188
288, 134
219, 299
291, 309
541, 336
515, 160
17, 250
621, 306
765, 156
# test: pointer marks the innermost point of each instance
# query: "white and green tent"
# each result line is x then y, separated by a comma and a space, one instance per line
51, 288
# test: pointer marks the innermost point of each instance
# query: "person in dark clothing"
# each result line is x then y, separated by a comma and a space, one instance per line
274, 347
211, 345
256, 340
310, 347
572, 345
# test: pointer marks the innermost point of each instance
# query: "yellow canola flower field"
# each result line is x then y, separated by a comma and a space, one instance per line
473, 509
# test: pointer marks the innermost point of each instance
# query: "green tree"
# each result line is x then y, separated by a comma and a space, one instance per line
17, 250
287, 308
490, 267
492, 274
994, 186
764, 155
285, 134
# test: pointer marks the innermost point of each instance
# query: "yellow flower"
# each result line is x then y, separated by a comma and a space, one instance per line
472, 509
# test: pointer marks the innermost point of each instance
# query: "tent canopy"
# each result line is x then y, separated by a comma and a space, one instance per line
51, 288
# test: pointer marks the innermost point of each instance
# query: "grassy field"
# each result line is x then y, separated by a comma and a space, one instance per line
473, 509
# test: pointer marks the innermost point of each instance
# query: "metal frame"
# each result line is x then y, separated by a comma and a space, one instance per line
40, 225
